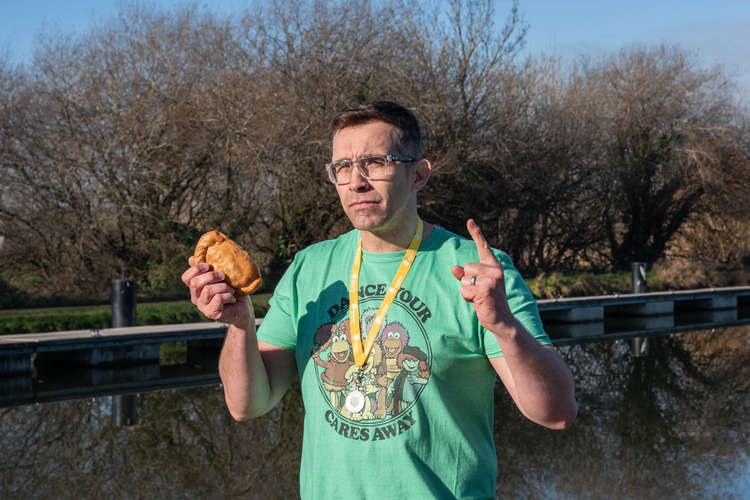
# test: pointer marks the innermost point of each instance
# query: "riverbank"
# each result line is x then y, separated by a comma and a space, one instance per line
53, 319
76, 316
660, 278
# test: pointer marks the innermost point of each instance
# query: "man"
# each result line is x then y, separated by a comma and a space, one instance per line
399, 396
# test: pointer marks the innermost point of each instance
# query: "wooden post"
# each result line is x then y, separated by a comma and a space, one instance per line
638, 345
124, 409
638, 276
123, 314
123, 303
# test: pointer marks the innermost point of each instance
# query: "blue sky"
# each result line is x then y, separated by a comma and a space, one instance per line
715, 31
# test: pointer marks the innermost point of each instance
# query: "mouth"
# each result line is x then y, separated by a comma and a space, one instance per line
340, 356
359, 205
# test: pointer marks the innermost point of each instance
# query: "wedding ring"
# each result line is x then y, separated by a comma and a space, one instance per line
473, 280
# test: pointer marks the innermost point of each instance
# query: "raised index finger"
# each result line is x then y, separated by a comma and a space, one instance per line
485, 252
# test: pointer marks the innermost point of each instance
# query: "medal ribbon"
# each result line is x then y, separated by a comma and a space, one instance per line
362, 352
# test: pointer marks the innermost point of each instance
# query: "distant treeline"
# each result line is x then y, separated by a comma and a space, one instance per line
120, 146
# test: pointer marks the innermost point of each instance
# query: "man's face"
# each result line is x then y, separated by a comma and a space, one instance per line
375, 205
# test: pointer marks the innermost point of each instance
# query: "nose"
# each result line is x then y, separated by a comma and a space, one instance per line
357, 181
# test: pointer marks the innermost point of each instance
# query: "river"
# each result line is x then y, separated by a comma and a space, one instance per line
670, 424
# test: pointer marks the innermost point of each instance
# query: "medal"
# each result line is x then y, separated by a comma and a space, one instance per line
355, 402
362, 352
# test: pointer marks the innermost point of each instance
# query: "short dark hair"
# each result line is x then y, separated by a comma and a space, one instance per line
383, 111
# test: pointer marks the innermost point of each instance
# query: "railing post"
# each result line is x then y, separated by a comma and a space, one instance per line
638, 345
123, 314
124, 409
638, 276
123, 303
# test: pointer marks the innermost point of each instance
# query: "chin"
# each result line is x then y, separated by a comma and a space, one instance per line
370, 227
366, 222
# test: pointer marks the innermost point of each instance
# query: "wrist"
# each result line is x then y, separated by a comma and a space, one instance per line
512, 337
244, 317
246, 330
506, 331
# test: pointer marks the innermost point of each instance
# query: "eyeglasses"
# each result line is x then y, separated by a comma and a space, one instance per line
372, 168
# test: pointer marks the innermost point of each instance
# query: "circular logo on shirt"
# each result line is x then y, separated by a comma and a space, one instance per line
397, 369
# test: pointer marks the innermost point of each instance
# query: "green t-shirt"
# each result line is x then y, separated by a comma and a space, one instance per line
425, 428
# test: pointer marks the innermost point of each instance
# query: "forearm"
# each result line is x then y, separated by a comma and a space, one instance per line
247, 387
537, 378
255, 374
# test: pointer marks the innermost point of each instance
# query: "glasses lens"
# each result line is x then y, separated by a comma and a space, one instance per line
375, 167
370, 167
340, 172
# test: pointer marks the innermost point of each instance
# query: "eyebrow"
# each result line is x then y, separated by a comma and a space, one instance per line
361, 156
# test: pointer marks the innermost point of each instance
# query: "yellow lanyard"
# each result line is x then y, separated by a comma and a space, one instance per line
361, 353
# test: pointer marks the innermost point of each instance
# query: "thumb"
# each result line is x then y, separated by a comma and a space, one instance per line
458, 272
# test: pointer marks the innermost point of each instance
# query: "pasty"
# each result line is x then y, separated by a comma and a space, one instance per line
227, 257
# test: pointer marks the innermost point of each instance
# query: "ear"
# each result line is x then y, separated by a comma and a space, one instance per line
422, 170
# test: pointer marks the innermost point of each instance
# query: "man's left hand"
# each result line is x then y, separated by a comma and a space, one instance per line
483, 284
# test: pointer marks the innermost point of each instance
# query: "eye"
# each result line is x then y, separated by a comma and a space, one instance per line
396, 335
374, 161
342, 165
390, 335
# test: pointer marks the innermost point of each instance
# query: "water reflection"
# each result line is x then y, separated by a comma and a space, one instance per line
670, 424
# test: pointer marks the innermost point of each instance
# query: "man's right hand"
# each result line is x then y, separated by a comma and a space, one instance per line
215, 298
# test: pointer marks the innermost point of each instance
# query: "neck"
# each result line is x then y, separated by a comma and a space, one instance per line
395, 240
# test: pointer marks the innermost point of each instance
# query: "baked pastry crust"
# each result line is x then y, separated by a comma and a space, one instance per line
228, 257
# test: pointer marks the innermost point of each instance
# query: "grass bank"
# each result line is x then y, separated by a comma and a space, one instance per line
673, 277
85, 317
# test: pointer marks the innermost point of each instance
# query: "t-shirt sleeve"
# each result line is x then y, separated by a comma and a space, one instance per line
278, 326
522, 305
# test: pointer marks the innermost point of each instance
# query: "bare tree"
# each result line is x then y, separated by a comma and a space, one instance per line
119, 147
121, 144
661, 121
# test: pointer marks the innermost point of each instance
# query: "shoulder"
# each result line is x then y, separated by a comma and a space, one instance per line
327, 249
312, 264
344, 241
443, 240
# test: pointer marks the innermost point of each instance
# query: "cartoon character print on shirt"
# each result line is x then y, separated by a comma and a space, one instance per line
397, 369
339, 349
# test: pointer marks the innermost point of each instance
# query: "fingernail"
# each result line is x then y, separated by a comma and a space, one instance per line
219, 276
